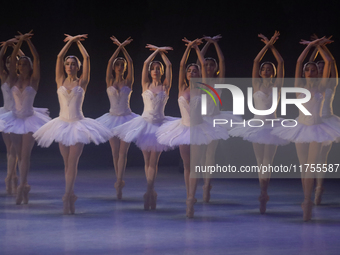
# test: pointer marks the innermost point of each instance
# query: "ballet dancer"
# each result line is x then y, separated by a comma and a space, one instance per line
142, 130
11, 180
214, 70
311, 131
71, 129
119, 90
190, 138
23, 120
264, 144
327, 113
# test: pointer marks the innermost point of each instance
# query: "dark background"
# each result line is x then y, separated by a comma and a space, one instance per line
164, 24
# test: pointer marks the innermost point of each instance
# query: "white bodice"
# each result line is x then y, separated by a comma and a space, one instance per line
314, 106
7, 95
154, 105
263, 101
184, 108
71, 103
119, 100
191, 113
327, 109
23, 101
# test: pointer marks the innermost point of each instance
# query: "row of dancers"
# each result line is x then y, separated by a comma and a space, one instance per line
153, 132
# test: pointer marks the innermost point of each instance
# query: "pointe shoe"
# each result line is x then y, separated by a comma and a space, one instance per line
8, 182
307, 207
190, 207
153, 200
263, 203
27, 189
318, 195
73, 199
14, 184
119, 187
66, 203
206, 193
147, 201
20, 195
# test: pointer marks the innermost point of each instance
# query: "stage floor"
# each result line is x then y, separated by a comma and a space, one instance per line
229, 224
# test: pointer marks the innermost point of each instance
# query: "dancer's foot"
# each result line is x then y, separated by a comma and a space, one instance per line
119, 187
263, 203
153, 200
307, 207
73, 199
147, 201
27, 189
14, 185
206, 193
8, 182
20, 195
190, 207
318, 195
66, 203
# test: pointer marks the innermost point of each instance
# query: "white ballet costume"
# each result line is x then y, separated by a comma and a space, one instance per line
120, 111
327, 111
213, 112
142, 130
71, 126
260, 134
181, 131
310, 128
22, 117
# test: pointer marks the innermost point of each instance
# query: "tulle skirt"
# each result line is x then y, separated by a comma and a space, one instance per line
302, 133
174, 133
143, 133
69, 133
333, 121
223, 115
111, 121
262, 135
25, 125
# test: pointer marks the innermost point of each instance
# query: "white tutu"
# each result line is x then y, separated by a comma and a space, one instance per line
143, 133
302, 133
84, 131
111, 121
184, 131
174, 133
333, 121
261, 135
223, 115
24, 125
3, 110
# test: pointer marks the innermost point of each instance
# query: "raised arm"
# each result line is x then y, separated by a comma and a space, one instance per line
85, 77
12, 66
280, 64
182, 66
3, 74
200, 59
59, 69
145, 71
130, 71
302, 57
334, 69
182, 69
109, 76
256, 65
221, 63
168, 71
35, 78
327, 67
